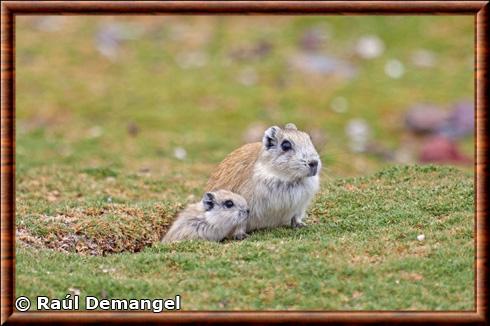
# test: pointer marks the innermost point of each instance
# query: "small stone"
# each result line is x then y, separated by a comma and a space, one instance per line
370, 47
394, 69
320, 64
440, 149
421, 237
314, 38
425, 118
180, 153
460, 122
109, 37
95, 132
358, 132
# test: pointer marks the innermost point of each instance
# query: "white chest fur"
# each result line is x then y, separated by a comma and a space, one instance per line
275, 199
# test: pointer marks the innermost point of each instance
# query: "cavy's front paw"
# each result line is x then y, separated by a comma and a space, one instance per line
240, 236
297, 224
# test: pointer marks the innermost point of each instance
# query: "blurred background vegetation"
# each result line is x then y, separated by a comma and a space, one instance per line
172, 95
120, 121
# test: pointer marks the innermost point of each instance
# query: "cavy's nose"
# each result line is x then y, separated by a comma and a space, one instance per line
313, 164
248, 211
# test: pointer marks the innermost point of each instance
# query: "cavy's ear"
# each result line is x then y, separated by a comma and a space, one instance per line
290, 126
270, 137
208, 201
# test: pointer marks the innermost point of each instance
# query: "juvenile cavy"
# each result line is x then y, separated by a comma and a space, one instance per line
214, 218
278, 178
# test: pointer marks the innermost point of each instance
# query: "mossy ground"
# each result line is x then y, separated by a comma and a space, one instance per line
359, 251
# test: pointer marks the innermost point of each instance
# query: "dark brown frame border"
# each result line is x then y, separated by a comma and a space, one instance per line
9, 9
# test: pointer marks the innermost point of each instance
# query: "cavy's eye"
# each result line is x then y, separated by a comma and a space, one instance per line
229, 204
286, 145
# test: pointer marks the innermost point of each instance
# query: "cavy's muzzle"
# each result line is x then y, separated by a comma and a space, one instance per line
313, 165
244, 213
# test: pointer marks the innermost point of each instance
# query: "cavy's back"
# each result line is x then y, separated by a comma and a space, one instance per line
235, 171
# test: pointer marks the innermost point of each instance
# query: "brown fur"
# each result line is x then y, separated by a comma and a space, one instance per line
236, 169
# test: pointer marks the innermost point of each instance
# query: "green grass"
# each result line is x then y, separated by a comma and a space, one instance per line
360, 251
93, 198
